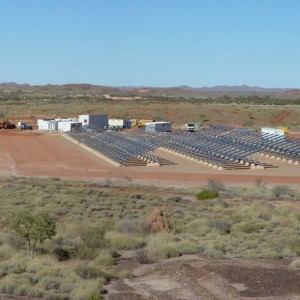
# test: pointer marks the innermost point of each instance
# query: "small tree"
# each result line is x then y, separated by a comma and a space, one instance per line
34, 228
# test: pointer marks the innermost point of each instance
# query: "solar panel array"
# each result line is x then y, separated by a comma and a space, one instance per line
265, 143
220, 145
117, 146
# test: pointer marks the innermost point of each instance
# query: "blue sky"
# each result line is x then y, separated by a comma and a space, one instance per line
151, 42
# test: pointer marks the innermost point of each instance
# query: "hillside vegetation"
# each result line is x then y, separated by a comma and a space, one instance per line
95, 222
175, 104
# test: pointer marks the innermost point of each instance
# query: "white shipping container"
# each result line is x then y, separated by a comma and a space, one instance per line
158, 127
119, 123
65, 126
43, 124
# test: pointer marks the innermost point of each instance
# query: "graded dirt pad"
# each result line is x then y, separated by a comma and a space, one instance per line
51, 155
196, 277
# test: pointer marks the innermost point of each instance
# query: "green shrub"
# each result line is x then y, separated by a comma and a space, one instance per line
248, 227
92, 236
162, 245
99, 297
207, 194
281, 191
104, 259
88, 272
90, 289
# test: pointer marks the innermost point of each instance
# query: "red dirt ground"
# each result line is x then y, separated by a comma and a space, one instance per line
280, 117
44, 154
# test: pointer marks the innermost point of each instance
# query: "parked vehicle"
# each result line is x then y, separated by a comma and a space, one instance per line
25, 126
189, 127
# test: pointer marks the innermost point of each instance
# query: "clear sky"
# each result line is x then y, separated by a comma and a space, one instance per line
151, 42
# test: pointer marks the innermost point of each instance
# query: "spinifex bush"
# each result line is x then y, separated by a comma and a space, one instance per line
207, 194
282, 191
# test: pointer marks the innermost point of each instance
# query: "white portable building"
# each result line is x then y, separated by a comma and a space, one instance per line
119, 123
272, 132
158, 127
65, 126
94, 120
47, 124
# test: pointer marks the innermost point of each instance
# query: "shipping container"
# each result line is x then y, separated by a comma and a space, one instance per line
119, 123
94, 120
158, 127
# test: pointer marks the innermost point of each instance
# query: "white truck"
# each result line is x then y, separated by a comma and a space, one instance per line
189, 127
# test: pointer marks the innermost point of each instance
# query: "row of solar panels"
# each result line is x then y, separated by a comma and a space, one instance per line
281, 146
218, 144
116, 146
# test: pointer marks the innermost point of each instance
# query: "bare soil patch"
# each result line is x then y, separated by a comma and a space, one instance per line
280, 117
198, 277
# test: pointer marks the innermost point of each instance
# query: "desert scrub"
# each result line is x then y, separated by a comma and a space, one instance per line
6, 252
91, 272
248, 227
90, 289
15, 265
207, 194
125, 274
123, 241
280, 191
295, 264
104, 259
199, 227
162, 245
215, 184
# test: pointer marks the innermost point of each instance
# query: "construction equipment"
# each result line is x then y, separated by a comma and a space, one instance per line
25, 126
139, 123
285, 129
5, 124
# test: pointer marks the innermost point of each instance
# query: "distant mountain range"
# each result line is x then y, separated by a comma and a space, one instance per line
236, 88
178, 91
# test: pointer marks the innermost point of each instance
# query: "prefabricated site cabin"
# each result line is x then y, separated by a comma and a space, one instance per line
47, 124
121, 123
158, 127
97, 121
62, 125
271, 133
66, 125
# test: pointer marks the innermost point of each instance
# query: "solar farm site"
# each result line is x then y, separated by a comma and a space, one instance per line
235, 155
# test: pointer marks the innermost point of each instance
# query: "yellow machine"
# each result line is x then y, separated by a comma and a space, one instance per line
139, 123
285, 129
